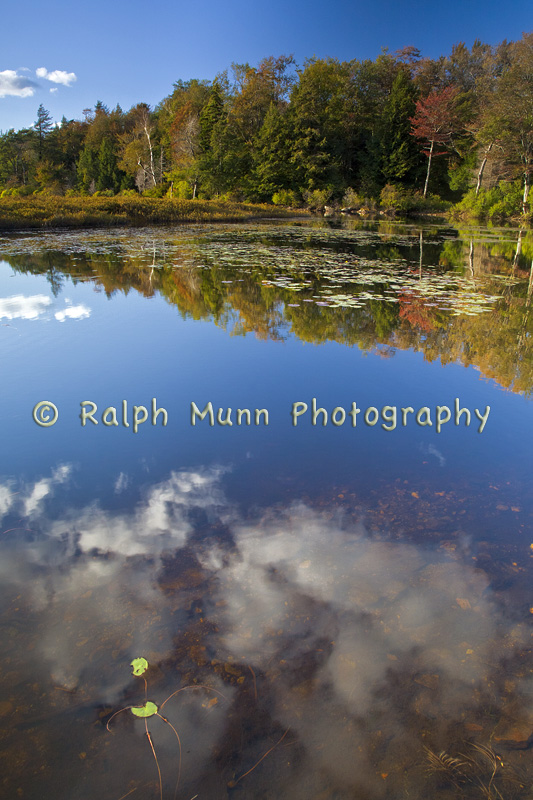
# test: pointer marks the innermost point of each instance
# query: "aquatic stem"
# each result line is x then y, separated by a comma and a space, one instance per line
114, 715
156, 761
9, 530
179, 745
128, 793
193, 686
231, 784
255, 683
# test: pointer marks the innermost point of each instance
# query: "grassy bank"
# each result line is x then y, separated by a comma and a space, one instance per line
54, 212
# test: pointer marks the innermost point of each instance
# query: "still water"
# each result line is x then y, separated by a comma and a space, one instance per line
333, 592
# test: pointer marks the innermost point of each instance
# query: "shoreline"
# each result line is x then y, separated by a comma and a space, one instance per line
84, 212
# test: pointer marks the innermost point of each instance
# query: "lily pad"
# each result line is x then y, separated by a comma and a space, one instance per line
148, 710
140, 665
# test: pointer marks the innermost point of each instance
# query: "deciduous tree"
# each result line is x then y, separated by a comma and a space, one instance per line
435, 122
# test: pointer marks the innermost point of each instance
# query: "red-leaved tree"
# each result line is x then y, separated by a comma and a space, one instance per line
435, 122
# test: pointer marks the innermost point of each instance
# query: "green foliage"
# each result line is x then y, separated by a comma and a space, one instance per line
156, 191
140, 665
87, 170
148, 710
501, 201
211, 114
399, 154
317, 198
179, 189
399, 200
394, 197
351, 199
462, 173
285, 197
43, 126
319, 145
108, 174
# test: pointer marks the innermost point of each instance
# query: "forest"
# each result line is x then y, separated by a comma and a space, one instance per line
402, 132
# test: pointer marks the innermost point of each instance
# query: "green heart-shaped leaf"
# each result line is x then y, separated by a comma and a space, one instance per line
139, 665
148, 710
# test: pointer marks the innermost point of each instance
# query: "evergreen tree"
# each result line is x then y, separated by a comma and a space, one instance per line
108, 172
399, 153
43, 125
87, 168
317, 119
211, 113
272, 168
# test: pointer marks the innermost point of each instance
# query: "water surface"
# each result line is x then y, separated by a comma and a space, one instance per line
352, 602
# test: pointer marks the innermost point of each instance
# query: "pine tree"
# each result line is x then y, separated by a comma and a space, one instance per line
399, 153
108, 173
211, 113
87, 169
43, 125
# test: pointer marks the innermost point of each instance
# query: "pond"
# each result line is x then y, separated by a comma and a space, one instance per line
290, 466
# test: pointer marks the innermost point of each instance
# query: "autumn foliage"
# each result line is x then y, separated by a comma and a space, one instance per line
435, 122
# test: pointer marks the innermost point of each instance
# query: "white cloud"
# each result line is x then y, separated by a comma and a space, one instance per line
6, 500
43, 488
15, 85
35, 307
121, 483
73, 312
53, 91
20, 307
56, 76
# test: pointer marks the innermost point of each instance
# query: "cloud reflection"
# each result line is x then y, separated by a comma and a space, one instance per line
20, 307
73, 312
36, 307
356, 640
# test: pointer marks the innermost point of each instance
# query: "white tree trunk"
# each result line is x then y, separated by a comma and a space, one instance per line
527, 187
482, 167
429, 167
152, 169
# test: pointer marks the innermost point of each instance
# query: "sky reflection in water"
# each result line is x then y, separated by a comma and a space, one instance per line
365, 591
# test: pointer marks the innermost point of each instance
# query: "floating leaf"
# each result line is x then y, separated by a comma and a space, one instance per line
148, 710
140, 665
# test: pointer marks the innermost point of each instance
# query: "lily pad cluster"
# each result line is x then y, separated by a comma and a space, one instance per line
149, 709
307, 263
337, 268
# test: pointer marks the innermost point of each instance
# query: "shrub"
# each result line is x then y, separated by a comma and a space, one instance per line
351, 199
181, 190
503, 200
394, 198
317, 198
156, 191
285, 197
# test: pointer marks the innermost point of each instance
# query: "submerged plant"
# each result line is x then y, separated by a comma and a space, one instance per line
150, 709
479, 770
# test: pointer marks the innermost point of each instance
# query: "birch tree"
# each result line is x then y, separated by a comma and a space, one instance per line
138, 156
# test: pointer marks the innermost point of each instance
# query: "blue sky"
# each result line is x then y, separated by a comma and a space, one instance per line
128, 52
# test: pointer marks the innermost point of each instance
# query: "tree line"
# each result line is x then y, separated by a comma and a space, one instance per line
329, 131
